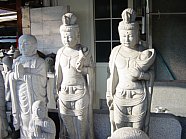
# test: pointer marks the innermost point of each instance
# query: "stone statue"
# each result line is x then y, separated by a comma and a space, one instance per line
11, 51
50, 62
41, 126
7, 69
128, 133
74, 70
27, 83
3, 119
129, 86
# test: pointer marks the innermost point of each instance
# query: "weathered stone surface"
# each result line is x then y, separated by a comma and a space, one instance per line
162, 126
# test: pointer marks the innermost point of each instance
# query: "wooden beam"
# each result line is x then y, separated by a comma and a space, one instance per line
7, 6
19, 17
8, 24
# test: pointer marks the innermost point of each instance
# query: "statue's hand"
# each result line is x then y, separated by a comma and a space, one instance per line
110, 103
79, 66
19, 71
39, 122
134, 72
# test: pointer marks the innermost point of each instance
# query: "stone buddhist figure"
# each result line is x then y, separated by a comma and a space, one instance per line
74, 78
41, 126
129, 86
27, 83
7, 69
3, 119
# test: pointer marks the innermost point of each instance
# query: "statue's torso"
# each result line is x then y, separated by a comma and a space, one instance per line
71, 77
124, 62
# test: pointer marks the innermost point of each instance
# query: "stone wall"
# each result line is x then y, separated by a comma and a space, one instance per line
45, 23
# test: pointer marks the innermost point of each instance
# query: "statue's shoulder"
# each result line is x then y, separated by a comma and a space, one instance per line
60, 50
115, 50
17, 59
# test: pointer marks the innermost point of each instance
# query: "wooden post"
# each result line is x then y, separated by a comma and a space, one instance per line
19, 17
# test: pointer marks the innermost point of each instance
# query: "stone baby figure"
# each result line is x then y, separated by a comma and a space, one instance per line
129, 86
41, 126
27, 83
74, 79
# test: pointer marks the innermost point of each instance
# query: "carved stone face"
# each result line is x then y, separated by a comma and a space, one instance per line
128, 38
27, 45
40, 112
69, 39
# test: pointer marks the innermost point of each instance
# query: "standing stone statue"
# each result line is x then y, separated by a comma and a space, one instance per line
3, 119
129, 86
74, 78
41, 126
7, 69
27, 83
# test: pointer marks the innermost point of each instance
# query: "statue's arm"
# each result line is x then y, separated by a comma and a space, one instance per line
110, 72
88, 63
58, 72
89, 71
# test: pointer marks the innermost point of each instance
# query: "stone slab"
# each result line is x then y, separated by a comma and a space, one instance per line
170, 95
162, 126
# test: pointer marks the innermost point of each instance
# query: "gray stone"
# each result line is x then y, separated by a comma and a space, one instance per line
37, 28
36, 15
170, 96
162, 126
53, 13
51, 27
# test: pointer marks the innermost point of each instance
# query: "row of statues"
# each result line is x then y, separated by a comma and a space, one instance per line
129, 86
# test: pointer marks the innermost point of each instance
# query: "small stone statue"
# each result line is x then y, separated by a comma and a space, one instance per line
41, 126
129, 86
27, 83
74, 70
3, 119
11, 51
128, 133
7, 69
50, 62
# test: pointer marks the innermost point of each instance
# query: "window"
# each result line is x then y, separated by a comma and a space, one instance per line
107, 17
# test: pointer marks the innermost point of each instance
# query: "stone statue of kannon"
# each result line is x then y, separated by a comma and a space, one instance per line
129, 86
27, 83
74, 79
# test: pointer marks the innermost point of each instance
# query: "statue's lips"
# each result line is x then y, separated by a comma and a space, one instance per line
127, 44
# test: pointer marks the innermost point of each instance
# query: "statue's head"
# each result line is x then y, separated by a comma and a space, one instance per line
128, 28
7, 63
128, 133
27, 45
39, 109
69, 30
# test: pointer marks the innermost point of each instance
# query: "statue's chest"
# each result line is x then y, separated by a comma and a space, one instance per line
125, 61
67, 60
